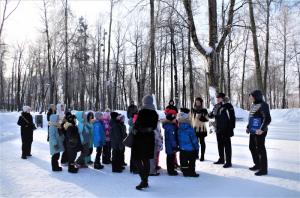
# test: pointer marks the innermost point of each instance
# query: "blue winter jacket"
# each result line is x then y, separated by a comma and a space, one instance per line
170, 138
55, 140
82, 129
187, 137
99, 134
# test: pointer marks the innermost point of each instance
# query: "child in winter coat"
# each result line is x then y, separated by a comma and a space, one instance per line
55, 141
121, 120
188, 144
117, 134
72, 141
106, 155
99, 138
84, 138
157, 148
89, 126
170, 127
27, 127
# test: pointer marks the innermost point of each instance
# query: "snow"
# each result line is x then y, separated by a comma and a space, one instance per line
33, 177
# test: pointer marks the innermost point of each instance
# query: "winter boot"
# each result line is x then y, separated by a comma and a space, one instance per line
261, 172
220, 161
254, 168
72, 169
142, 185
227, 165
98, 166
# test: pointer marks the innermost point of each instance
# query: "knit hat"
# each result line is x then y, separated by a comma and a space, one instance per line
98, 115
148, 102
170, 111
26, 109
114, 115
221, 95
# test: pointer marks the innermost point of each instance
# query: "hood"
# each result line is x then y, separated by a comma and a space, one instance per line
257, 95
80, 116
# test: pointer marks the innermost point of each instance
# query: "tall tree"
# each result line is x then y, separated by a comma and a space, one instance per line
152, 47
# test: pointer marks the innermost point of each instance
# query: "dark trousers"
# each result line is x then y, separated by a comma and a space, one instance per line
201, 139
54, 161
258, 151
117, 161
171, 163
64, 157
144, 169
133, 164
123, 157
26, 143
106, 155
188, 162
83, 154
98, 155
72, 153
224, 144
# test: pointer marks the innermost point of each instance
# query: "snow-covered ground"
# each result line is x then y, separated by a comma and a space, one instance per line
33, 177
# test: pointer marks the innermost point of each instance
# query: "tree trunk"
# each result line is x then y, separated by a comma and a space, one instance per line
108, 80
152, 47
244, 69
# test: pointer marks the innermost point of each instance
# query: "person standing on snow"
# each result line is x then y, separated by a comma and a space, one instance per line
99, 139
143, 139
55, 142
188, 144
199, 118
131, 110
225, 123
52, 110
89, 127
106, 154
259, 119
27, 127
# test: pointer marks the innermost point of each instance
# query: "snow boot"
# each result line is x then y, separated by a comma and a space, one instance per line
254, 168
227, 165
261, 172
98, 166
142, 185
220, 161
72, 169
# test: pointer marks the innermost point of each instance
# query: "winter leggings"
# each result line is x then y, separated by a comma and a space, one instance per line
98, 155
54, 161
224, 143
144, 169
258, 151
106, 155
26, 143
188, 162
133, 165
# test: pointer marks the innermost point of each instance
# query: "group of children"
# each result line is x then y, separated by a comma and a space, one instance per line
104, 131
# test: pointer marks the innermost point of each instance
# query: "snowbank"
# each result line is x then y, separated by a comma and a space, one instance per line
285, 115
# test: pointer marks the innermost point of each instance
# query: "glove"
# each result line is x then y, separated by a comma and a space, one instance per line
247, 131
56, 147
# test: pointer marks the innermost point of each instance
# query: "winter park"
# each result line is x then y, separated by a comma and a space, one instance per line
149, 98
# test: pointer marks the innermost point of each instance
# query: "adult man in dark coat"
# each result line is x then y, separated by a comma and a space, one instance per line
225, 123
131, 110
143, 139
259, 114
27, 127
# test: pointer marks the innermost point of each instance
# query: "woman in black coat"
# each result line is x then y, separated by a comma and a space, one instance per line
27, 127
143, 139
259, 119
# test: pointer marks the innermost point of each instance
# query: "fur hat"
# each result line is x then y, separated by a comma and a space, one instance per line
182, 116
148, 102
